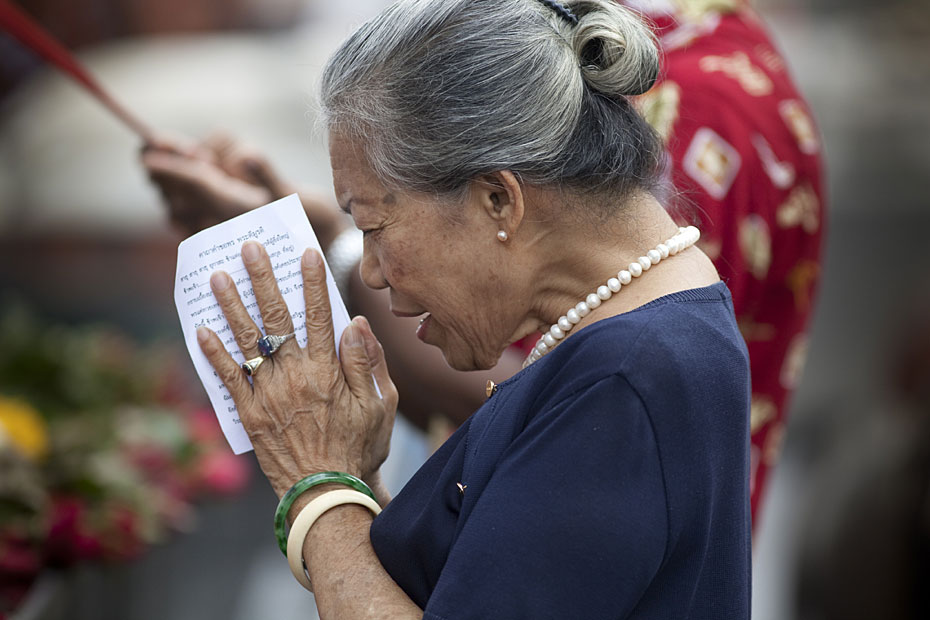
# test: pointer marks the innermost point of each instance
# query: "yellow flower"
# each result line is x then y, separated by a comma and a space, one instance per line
23, 427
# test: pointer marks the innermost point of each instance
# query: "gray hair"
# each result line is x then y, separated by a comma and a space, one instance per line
441, 92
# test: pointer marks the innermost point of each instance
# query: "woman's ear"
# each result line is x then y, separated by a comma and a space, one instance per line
500, 196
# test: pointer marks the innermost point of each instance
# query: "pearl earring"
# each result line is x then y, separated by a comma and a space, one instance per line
503, 236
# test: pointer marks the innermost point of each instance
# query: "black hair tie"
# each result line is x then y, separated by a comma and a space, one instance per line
562, 10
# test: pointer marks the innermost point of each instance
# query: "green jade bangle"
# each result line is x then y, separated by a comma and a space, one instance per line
313, 480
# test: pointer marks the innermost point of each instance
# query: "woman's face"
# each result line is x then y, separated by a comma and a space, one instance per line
443, 266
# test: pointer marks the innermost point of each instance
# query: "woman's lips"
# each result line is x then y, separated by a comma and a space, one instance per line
405, 315
423, 327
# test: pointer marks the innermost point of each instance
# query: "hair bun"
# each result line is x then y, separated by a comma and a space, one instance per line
617, 51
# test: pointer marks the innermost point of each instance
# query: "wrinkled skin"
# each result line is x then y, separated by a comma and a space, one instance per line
305, 410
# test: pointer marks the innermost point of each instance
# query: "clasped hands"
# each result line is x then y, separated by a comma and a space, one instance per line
305, 410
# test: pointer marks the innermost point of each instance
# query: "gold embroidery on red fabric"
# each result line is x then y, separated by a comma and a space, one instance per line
802, 127
781, 173
802, 208
793, 366
762, 411
696, 9
800, 281
756, 332
737, 66
660, 108
774, 440
712, 162
770, 58
688, 31
756, 245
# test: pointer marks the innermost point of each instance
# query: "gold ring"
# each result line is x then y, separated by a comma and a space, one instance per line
252, 365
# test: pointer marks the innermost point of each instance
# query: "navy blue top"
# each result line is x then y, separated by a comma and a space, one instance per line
610, 479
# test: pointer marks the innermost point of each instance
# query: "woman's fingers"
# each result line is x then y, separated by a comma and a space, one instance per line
229, 371
355, 364
276, 318
320, 339
363, 364
379, 370
241, 324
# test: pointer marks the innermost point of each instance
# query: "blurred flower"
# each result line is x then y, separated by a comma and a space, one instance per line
204, 426
69, 537
223, 472
19, 555
20, 560
102, 450
23, 428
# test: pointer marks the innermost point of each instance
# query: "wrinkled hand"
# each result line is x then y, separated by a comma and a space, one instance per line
210, 182
305, 410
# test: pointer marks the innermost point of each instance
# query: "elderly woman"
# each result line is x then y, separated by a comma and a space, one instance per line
502, 179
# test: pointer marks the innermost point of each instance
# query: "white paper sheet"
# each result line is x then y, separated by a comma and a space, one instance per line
282, 227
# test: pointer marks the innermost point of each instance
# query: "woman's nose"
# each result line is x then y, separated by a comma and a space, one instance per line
370, 269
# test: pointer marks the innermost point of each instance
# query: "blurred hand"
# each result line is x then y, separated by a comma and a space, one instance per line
212, 181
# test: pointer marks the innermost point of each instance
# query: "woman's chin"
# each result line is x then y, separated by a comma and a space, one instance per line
457, 363
468, 360
457, 354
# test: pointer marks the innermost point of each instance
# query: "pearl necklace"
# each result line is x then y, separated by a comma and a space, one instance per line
685, 238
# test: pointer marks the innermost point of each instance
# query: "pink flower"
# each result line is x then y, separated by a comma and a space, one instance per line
204, 427
19, 556
123, 540
149, 459
69, 538
223, 472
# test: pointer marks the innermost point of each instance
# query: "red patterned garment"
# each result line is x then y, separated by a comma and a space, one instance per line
746, 161
746, 153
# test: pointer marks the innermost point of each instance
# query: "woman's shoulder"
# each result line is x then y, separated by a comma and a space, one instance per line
677, 360
678, 337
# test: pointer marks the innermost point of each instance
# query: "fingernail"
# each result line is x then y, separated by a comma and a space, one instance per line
311, 258
203, 334
220, 281
251, 252
368, 341
354, 335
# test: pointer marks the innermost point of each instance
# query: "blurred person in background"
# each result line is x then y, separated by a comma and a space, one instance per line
746, 154
745, 160
865, 539
610, 477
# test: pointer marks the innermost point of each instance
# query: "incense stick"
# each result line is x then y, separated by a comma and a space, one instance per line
21, 27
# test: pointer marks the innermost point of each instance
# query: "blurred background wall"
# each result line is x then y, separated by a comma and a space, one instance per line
83, 237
